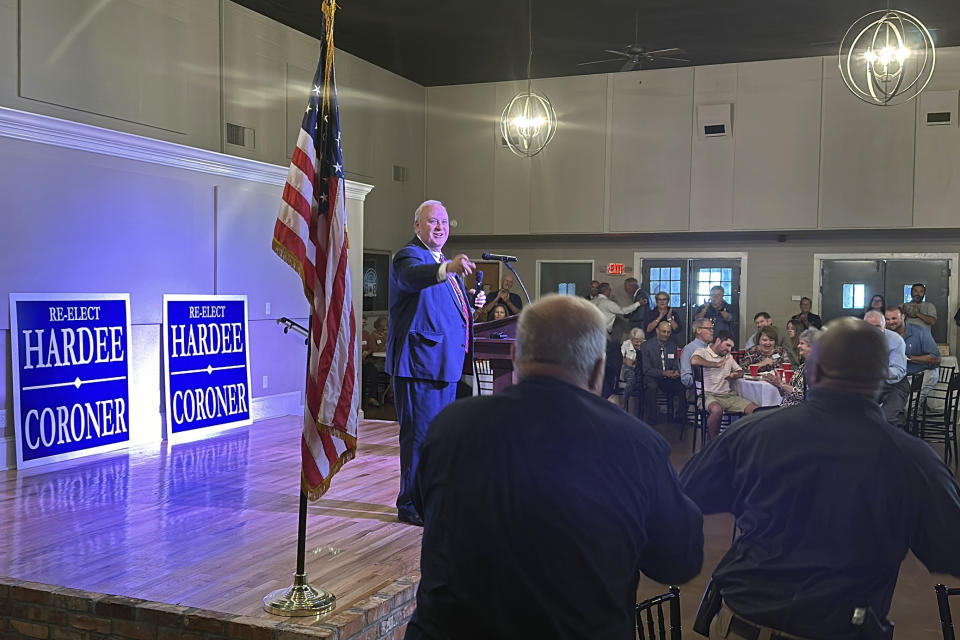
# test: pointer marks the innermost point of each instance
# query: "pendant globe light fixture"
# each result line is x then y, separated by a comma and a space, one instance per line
887, 57
529, 121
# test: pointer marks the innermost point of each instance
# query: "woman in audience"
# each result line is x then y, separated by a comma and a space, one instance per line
499, 312
877, 303
795, 326
796, 391
766, 353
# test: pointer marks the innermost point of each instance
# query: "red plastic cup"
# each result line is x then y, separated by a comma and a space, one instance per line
787, 366
754, 370
787, 376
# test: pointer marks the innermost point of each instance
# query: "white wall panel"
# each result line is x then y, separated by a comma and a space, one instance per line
866, 159
777, 144
460, 153
711, 168
937, 188
567, 177
144, 66
255, 81
650, 132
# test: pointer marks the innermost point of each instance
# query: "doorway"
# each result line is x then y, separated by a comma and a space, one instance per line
848, 284
689, 280
570, 277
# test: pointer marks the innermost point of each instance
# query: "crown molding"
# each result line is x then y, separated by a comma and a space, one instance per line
41, 129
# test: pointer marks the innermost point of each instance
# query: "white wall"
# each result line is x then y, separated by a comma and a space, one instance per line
802, 153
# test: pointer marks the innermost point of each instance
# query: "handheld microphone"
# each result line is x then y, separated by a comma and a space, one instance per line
479, 280
498, 256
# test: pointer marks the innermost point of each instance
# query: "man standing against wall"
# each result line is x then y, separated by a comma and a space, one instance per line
430, 335
917, 311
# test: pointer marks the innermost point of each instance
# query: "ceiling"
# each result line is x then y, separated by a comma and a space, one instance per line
442, 42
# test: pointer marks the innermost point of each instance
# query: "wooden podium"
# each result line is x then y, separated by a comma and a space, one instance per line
490, 345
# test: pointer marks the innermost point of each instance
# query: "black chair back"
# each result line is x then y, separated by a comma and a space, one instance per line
913, 403
943, 604
700, 407
651, 623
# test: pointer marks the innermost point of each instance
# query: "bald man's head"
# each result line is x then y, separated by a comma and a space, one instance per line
561, 336
850, 356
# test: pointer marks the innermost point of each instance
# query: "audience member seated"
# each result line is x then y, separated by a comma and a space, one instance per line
374, 341
718, 311
806, 316
628, 350
877, 303
661, 313
896, 390
795, 391
829, 498
610, 309
917, 311
719, 368
543, 504
761, 320
661, 371
704, 332
499, 312
794, 329
636, 294
923, 354
767, 354
510, 301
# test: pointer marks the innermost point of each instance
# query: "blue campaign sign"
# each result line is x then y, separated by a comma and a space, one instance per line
71, 362
206, 364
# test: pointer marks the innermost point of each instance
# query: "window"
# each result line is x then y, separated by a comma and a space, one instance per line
666, 279
714, 277
907, 288
853, 295
567, 288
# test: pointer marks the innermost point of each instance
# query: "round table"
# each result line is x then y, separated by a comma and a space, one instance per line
760, 393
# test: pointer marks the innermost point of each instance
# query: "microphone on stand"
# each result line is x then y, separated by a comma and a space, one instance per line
500, 257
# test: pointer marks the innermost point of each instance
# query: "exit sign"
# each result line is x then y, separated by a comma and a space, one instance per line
615, 269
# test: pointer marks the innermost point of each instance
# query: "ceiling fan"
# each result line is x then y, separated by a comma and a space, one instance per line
635, 55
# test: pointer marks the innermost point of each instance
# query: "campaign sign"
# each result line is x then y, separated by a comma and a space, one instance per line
71, 362
206, 363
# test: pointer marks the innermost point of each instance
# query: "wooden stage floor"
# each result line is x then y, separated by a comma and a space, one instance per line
212, 524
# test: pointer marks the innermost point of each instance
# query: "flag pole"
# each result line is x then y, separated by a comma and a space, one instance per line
300, 599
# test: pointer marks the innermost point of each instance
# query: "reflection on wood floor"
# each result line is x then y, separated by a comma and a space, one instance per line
212, 524
209, 524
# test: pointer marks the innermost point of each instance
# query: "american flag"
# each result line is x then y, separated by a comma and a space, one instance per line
311, 236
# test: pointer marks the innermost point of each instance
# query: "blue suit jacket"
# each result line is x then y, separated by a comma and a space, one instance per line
428, 330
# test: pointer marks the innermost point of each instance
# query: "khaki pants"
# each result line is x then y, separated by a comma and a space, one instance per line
720, 628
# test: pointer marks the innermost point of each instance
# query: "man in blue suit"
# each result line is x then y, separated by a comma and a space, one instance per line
431, 323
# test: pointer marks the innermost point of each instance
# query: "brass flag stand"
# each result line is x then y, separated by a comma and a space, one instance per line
300, 599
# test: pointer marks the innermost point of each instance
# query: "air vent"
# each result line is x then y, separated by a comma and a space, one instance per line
399, 173
938, 108
241, 136
713, 120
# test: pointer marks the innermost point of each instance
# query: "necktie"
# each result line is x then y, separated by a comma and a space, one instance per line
464, 308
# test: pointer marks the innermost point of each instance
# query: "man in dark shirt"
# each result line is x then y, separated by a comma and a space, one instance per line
543, 503
719, 311
636, 294
828, 496
660, 363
